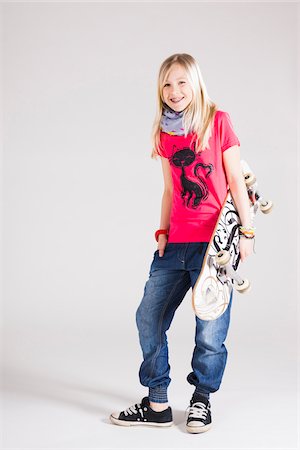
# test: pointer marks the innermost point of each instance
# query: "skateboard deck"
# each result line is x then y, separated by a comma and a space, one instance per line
218, 275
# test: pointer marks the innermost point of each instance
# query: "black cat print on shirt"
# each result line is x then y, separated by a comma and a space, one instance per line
192, 193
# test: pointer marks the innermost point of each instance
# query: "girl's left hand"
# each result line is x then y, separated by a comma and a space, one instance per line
246, 247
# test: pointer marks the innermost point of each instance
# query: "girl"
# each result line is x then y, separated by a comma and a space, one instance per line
200, 158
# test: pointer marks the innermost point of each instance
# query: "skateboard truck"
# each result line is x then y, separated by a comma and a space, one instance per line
242, 285
265, 205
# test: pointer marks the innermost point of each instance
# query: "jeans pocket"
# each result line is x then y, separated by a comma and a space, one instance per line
156, 254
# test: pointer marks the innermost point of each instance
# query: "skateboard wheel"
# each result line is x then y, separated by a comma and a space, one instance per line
223, 257
244, 287
249, 178
266, 206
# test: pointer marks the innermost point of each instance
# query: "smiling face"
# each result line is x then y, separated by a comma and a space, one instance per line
177, 92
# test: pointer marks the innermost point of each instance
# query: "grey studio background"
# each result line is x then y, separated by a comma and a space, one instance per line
81, 202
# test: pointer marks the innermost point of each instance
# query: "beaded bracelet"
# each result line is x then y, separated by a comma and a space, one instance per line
248, 232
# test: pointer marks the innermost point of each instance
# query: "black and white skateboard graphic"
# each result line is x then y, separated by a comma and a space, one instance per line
218, 276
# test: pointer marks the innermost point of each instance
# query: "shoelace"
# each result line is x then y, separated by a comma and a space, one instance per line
197, 411
134, 410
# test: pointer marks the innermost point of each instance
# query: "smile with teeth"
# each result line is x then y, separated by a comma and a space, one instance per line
174, 100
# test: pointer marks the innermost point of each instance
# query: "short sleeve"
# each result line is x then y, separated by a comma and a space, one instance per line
161, 150
227, 135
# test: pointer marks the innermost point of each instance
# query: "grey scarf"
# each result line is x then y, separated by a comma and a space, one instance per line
172, 121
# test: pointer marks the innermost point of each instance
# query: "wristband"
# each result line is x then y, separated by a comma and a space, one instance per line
158, 232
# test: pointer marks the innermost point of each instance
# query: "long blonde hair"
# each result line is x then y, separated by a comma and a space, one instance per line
199, 114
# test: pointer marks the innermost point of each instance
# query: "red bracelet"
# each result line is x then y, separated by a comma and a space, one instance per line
158, 232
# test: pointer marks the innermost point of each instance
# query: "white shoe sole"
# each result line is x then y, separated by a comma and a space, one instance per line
198, 429
126, 423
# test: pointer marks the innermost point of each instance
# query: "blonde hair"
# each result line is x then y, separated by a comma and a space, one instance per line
198, 115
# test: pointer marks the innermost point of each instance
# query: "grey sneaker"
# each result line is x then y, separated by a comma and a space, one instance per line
142, 414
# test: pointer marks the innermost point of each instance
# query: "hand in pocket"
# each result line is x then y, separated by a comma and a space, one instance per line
162, 242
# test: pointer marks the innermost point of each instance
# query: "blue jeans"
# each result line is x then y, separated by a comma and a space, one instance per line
170, 277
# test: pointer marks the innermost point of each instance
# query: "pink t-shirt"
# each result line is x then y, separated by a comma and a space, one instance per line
199, 181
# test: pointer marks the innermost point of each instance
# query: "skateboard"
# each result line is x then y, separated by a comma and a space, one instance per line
219, 275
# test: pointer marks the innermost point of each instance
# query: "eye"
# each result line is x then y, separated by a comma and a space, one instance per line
167, 84
182, 82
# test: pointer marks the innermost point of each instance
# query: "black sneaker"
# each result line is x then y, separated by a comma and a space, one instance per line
142, 414
199, 415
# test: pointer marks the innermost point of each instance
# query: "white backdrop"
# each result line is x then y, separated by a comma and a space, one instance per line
82, 199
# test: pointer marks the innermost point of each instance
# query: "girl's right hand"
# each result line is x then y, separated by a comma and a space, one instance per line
162, 242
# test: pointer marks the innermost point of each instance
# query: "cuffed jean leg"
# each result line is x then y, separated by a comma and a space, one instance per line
210, 353
163, 293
